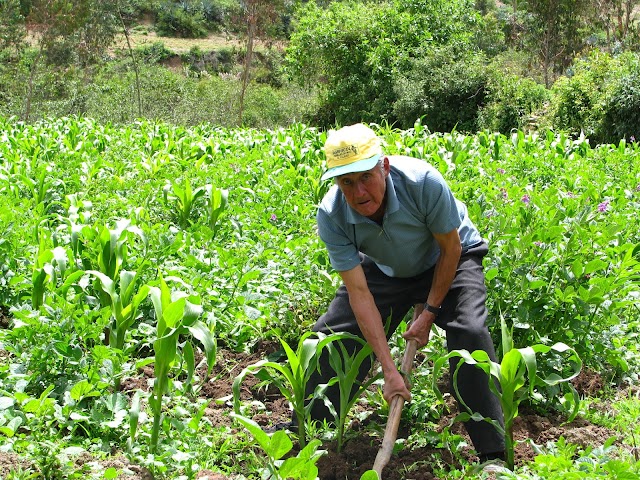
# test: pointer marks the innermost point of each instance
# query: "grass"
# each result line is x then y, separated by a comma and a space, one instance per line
141, 37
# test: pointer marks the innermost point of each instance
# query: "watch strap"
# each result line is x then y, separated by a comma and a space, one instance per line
432, 309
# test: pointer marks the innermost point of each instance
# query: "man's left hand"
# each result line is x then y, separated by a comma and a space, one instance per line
420, 328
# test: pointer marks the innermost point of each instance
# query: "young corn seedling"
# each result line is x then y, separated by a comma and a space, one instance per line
217, 201
125, 298
347, 367
177, 316
52, 272
183, 199
276, 446
290, 378
518, 367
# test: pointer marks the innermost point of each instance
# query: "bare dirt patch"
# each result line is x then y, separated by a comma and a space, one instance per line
360, 449
184, 45
361, 446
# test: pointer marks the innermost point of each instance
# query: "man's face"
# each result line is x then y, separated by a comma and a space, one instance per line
364, 191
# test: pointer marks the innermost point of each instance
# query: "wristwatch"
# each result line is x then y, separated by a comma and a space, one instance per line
432, 309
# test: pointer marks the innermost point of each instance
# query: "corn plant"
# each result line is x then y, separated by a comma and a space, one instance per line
125, 298
177, 316
217, 201
276, 446
183, 199
347, 366
291, 378
52, 270
518, 367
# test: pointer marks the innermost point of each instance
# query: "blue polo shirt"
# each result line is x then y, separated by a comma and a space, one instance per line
419, 203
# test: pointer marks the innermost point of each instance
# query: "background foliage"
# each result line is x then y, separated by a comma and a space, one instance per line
469, 65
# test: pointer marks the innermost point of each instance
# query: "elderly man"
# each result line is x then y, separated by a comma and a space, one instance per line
398, 237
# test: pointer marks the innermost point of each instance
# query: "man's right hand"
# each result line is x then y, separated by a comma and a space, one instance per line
394, 384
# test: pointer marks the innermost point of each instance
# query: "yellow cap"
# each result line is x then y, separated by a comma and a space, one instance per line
351, 149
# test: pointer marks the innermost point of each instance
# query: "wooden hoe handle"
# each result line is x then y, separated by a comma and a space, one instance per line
395, 409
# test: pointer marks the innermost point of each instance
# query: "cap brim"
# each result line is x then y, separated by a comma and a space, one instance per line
359, 166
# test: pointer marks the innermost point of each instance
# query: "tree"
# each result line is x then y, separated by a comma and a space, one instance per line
353, 50
12, 26
554, 32
68, 30
614, 17
258, 15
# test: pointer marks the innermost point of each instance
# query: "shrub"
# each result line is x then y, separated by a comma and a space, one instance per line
597, 97
173, 98
355, 50
446, 87
154, 53
180, 20
511, 101
622, 110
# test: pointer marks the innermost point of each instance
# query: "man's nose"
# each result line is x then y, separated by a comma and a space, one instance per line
360, 189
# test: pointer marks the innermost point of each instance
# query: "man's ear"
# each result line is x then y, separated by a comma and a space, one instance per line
385, 165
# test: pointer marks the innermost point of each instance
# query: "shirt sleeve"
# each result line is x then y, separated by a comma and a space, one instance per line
343, 253
441, 210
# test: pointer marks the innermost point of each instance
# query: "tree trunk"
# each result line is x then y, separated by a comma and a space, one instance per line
133, 60
247, 64
32, 74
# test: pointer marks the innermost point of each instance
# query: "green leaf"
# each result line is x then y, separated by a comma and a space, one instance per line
11, 428
134, 416
594, 266
489, 275
110, 473
189, 358
202, 333
261, 437
576, 268
280, 445
6, 402
83, 389
174, 313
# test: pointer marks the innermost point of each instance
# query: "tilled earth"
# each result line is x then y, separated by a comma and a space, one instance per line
362, 445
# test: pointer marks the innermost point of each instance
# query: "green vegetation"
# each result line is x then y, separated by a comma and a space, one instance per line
454, 64
126, 247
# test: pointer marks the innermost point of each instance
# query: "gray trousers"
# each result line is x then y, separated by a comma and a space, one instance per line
462, 317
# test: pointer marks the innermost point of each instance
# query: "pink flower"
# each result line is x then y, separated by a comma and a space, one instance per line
500, 171
526, 199
273, 217
604, 206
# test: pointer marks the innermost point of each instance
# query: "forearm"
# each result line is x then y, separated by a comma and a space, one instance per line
370, 323
444, 273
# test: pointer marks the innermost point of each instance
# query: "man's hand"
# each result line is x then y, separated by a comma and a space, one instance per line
394, 384
420, 328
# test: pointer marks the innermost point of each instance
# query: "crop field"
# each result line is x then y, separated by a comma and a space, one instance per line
158, 285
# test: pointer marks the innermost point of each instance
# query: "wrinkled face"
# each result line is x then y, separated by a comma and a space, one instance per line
365, 191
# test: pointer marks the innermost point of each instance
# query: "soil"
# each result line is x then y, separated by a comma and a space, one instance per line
362, 445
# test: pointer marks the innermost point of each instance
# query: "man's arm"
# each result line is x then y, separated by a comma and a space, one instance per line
445, 272
370, 323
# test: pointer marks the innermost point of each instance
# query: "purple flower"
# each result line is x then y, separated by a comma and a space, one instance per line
537, 244
571, 195
638, 188
525, 199
632, 139
505, 195
604, 206
273, 217
500, 171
